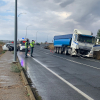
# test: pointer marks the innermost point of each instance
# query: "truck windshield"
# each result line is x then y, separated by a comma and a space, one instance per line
86, 39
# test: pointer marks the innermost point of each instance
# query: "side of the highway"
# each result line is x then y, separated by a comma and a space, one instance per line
81, 72
48, 85
62, 77
11, 83
85, 61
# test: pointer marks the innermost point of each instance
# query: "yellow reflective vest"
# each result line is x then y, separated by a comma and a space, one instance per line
32, 44
26, 44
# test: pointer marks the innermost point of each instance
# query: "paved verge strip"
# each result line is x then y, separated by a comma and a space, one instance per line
26, 83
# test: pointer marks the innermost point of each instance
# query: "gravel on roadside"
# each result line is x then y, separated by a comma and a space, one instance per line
11, 83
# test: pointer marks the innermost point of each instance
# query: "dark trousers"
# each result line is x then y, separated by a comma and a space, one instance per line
32, 50
26, 51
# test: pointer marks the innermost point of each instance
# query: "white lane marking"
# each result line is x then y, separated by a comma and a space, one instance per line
77, 62
72, 86
46, 53
90, 59
85, 59
74, 61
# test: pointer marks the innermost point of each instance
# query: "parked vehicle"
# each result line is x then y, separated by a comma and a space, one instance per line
37, 43
5, 46
10, 47
80, 43
21, 44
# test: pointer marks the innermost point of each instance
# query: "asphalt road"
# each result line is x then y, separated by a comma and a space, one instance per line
61, 77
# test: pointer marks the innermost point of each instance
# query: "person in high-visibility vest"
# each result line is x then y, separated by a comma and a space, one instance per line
32, 46
26, 47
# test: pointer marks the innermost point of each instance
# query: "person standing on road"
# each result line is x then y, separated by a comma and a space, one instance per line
26, 47
32, 46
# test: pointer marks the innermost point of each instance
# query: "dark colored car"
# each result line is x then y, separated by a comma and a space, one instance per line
46, 46
7, 44
11, 47
37, 43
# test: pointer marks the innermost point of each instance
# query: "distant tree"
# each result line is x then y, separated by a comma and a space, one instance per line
98, 33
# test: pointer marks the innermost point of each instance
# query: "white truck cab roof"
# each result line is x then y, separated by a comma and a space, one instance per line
85, 32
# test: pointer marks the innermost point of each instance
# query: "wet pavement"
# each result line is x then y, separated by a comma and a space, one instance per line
82, 73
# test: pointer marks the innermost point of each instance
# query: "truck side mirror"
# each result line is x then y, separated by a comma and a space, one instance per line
97, 42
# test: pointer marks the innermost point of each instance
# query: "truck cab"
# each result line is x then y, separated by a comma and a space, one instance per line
82, 42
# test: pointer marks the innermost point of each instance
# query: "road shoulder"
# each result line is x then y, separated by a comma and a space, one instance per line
11, 84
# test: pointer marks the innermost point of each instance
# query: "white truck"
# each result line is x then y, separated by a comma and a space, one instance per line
80, 43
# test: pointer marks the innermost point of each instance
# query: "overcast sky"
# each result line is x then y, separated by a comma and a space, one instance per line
48, 18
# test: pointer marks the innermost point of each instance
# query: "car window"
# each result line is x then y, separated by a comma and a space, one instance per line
22, 42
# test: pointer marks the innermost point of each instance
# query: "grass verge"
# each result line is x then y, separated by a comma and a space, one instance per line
51, 46
12, 52
2, 43
15, 68
3, 52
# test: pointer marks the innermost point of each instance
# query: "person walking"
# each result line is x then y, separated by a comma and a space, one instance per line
26, 47
32, 46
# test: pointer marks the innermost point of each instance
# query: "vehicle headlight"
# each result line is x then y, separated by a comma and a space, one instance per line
19, 44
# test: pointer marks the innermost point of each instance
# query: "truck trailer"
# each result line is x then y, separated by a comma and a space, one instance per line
80, 43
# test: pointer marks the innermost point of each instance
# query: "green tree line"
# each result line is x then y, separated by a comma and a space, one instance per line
98, 33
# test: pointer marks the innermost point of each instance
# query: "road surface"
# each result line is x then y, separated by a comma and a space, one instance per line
62, 77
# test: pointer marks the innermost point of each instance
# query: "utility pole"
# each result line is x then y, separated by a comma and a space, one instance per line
47, 38
36, 36
17, 22
15, 36
26, 30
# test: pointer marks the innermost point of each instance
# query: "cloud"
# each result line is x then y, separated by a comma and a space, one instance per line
66, 2
51, 17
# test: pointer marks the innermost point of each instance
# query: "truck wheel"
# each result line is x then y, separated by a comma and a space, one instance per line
55, 50
66, 51
60, 50
71, 53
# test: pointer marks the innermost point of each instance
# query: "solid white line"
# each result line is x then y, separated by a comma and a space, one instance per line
73, 61
72, 86
46, 53
77, 62
90, 59
86, 59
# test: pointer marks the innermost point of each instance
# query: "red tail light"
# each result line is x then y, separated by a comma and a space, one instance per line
24, 41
